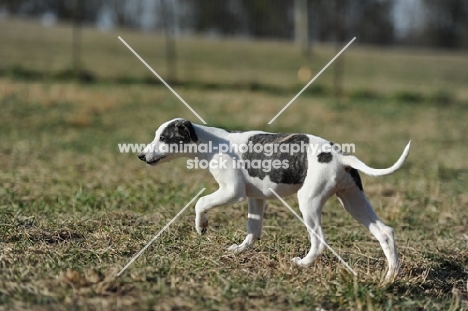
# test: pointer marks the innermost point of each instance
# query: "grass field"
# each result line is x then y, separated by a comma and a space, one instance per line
73, 210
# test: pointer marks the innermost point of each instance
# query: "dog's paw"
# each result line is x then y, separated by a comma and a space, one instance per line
297, 261
236, 249
201, 226
392, 274
201, 230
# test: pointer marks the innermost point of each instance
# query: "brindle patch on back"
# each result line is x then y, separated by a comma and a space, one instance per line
296, 171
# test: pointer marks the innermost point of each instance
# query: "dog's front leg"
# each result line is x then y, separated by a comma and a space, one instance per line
223, 196
254, 225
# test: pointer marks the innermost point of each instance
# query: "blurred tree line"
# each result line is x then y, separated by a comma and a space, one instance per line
444, 23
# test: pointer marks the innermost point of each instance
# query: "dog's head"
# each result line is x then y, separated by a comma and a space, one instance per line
169, 142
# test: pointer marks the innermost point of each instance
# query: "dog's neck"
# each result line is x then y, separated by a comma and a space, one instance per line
209, 136
206, 134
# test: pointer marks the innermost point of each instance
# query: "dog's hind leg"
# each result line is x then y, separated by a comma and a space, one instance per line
355, 202
311, 204
254, 225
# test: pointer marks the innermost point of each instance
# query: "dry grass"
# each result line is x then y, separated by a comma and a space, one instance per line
73, 210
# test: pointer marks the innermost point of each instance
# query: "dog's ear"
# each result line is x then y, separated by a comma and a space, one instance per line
189, 131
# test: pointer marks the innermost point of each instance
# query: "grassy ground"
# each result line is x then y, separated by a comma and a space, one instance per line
27, 46
73, 210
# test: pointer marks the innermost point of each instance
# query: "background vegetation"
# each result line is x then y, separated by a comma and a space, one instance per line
73, 210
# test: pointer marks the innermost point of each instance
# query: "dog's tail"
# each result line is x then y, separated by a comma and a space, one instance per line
361, 166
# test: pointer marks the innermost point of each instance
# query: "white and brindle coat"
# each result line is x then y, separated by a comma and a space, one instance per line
315, 178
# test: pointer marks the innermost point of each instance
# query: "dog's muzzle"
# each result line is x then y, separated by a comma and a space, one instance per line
142, 156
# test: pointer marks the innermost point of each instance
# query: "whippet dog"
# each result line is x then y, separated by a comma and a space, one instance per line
244, 167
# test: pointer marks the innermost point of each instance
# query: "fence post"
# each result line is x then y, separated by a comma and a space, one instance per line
301, 25
340, 21
76, 38
168, 24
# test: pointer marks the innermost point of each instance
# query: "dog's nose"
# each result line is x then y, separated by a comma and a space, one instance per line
142, 156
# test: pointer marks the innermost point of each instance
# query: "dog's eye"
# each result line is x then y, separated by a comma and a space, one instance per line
161, 138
